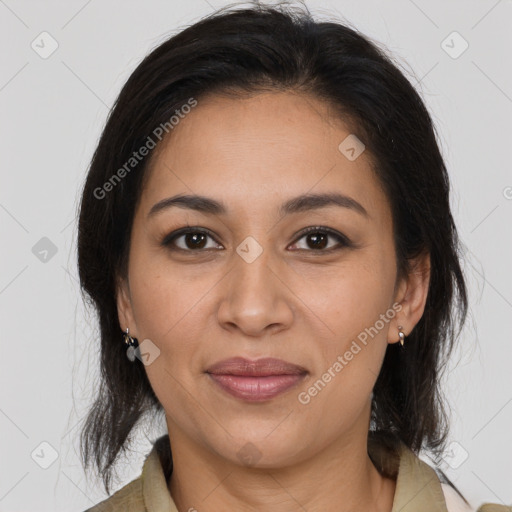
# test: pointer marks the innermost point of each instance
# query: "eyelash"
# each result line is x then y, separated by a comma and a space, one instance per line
343, 241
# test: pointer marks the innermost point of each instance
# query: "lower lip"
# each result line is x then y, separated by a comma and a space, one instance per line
256, 389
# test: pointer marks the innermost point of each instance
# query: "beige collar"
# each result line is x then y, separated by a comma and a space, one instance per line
418, 488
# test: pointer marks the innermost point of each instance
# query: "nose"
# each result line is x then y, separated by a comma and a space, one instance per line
255, 297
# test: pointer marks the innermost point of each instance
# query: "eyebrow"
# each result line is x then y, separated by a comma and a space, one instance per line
302, 203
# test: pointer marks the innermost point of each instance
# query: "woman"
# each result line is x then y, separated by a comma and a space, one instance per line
266, 235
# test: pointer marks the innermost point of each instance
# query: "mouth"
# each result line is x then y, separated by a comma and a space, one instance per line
255, 381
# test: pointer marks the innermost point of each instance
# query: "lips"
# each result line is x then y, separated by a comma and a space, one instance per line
260, 368
255, 380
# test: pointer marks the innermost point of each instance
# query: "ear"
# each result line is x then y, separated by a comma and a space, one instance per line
412, 296
124, 307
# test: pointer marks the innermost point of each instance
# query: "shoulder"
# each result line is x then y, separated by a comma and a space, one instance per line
149, 490
421, 486
127, 499
455, 503
493, 507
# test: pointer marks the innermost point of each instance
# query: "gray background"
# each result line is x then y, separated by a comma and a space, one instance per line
52, 112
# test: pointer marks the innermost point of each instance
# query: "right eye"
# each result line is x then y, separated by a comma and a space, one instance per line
190, 240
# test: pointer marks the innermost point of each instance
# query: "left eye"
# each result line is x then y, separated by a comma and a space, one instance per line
318, 239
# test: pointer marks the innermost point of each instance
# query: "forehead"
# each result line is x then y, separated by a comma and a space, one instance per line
256, 150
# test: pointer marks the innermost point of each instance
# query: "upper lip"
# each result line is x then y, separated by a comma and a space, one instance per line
259, 368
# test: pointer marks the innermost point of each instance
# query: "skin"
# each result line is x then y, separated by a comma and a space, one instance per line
304, 306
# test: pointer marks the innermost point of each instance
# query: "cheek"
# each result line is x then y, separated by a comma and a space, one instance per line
168, 311
350, 297
162, 298
355, 303
339, 390
171, 309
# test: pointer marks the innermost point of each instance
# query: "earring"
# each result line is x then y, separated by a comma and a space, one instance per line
401, 335
132, 345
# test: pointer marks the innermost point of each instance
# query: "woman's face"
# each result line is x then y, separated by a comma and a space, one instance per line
256, 286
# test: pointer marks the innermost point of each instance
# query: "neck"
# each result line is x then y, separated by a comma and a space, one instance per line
341, 478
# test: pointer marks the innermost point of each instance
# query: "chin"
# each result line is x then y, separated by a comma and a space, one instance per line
262, 451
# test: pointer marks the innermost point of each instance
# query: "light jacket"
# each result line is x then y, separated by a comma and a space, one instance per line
418, 486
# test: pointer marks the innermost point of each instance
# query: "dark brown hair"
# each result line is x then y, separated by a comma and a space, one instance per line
243, 52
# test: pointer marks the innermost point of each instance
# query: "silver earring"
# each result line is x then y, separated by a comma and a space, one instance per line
132, 345
401, 335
